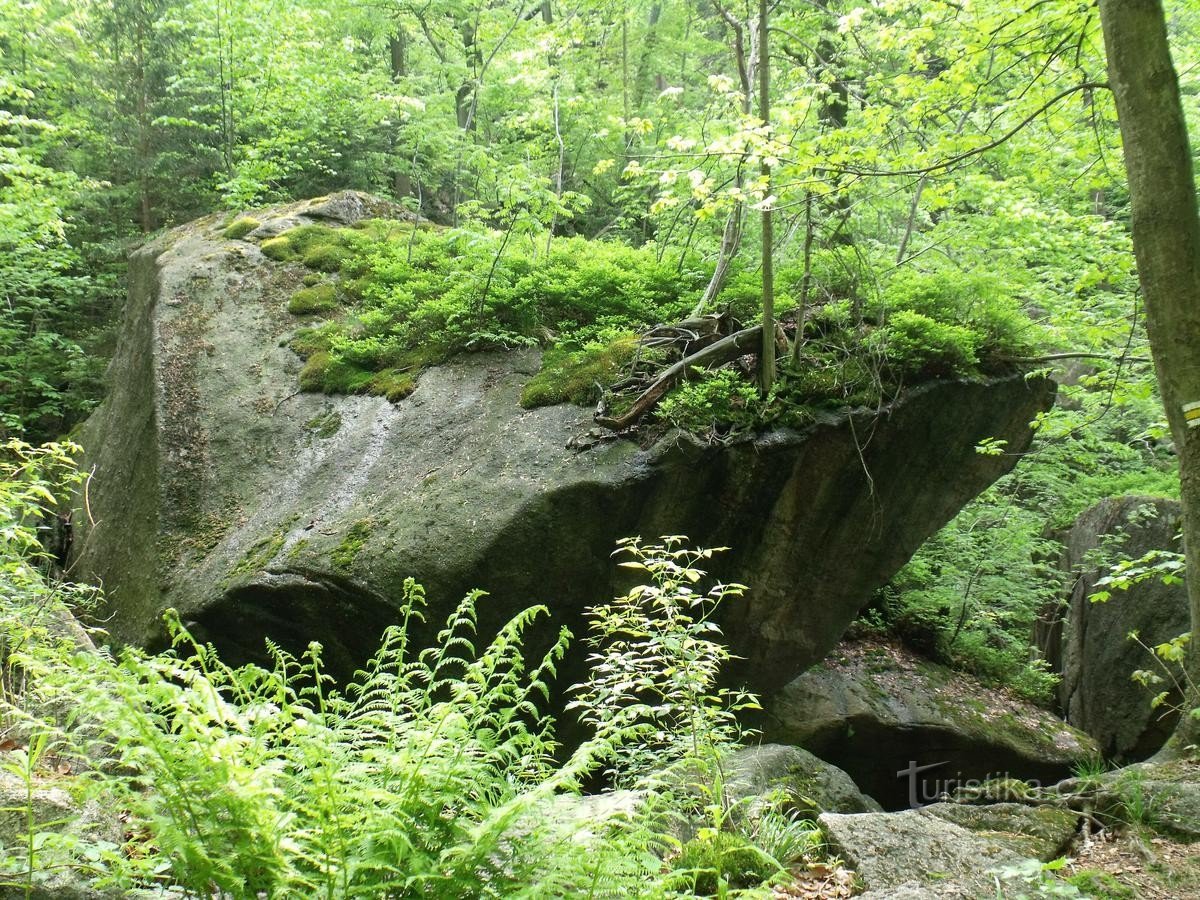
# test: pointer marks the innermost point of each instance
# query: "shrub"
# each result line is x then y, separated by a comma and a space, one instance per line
916, 345
436, 292
716, 861
722, 399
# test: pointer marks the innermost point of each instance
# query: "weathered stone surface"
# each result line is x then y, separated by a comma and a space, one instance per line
903, 853
807, 781
254, 510
1042, 832
877, 711
1090, 644
949, 850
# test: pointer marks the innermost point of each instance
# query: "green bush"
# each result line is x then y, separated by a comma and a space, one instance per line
916, 345
722, 399
977, 302
718, 861
431, 293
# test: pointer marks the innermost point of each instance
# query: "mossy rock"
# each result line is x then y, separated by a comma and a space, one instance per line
478, 492
309, 301
240, 227
571, 376
278, 249
313, 278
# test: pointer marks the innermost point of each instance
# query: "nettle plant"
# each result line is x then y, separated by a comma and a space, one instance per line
652, 682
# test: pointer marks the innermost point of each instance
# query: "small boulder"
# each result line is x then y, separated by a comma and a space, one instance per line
904, 853
808, 782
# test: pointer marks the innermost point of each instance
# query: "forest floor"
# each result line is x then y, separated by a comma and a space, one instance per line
1150, 866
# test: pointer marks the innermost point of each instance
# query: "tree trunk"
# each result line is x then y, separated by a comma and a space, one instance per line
767, 360
1166, 241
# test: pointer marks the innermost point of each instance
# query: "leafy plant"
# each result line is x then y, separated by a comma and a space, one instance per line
653, 676
722, 400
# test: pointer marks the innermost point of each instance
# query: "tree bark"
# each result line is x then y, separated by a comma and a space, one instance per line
767, 358
1166, 241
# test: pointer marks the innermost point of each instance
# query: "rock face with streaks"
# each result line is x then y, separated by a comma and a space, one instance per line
256, 510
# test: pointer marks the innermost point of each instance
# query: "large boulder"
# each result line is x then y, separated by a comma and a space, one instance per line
1089, 643
907, 730
221, 490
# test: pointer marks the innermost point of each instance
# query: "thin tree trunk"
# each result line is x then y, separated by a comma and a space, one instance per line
1166, 242
767, 362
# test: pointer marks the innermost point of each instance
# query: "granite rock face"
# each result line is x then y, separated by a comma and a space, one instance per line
256, 510
1088, 642
907, 730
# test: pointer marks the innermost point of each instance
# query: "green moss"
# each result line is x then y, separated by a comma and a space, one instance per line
326, 257
313, 278
311, 300
261, 552
571, 376
1100, 885
240, 227
278, 249
326, 425
393, 384
325, 373
347, 551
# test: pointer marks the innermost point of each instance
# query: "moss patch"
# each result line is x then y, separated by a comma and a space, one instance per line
261, 552
572, 376
309, 301
347, 551
278, 249
434, 292
325, 426
393, 384
240, 227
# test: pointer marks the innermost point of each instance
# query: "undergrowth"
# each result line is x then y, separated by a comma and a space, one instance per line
434, 773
